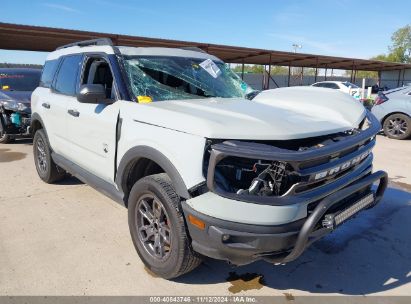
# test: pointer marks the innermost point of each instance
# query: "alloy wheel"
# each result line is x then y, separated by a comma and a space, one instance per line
397, 126
153, 226
41, 155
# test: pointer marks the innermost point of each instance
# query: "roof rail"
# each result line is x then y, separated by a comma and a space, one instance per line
193, 48
99, 41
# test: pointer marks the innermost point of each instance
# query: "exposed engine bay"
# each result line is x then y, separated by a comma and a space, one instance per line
13, 122
254, 177
247, 176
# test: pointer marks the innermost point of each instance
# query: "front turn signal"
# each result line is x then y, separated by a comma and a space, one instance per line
196, 222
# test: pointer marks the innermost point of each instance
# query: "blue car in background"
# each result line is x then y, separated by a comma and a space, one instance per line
393, 110
16, 86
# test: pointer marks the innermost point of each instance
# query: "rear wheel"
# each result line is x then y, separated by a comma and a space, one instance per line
397, 126
157, 227
48, 171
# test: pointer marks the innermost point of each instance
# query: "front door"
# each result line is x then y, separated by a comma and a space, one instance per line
92, 127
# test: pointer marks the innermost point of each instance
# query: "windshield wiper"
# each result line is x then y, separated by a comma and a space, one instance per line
252, 95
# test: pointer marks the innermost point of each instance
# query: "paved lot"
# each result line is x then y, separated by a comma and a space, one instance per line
68, 239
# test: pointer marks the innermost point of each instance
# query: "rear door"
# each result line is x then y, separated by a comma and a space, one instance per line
92, 127
62, 91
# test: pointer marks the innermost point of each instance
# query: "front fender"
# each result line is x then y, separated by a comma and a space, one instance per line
136, 153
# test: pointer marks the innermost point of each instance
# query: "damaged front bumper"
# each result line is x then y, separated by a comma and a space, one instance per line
334, 184
241, 244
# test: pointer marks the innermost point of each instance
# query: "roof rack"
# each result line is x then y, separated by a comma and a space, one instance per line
99, 41
193, 48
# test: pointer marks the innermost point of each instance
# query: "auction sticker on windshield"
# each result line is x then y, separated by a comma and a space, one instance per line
211, 68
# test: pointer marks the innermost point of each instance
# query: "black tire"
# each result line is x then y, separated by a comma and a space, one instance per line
5, 139
397, 126
48, 171
178, 257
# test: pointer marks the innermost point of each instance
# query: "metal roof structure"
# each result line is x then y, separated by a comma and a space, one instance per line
36, 38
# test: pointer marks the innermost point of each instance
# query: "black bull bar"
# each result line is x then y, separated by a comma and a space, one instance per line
308, 235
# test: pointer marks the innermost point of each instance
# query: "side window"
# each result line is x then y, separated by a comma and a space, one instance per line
333, 85
67, 75
49, 70
97, 71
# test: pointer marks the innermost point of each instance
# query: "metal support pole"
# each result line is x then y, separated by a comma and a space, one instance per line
263, 84
302, 76
355, 76
316, 70
269, 74
379, 78
242, 71
399, 76
325, 75
352, 72
289, 73
403, 77
332, 71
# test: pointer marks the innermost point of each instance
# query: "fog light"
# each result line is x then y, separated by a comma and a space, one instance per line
226, 237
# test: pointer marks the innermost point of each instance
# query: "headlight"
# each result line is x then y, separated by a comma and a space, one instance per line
22, 107
8, 104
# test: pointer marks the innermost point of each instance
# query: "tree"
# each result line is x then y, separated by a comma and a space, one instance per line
400, 49
401, 44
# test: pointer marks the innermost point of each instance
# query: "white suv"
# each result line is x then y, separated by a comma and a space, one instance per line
205, 165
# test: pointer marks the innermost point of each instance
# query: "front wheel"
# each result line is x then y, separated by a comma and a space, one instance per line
157, 227
397, 126
4, 138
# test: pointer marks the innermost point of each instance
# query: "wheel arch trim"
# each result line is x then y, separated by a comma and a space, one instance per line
392, 113
135, 154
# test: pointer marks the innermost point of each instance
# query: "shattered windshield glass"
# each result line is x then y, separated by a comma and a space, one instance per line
168, 78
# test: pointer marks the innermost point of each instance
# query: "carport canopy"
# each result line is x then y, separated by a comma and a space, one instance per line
36, 38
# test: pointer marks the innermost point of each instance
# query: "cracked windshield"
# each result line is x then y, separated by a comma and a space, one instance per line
169, 78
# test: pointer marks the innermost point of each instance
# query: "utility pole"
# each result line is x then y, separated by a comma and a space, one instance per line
295, 69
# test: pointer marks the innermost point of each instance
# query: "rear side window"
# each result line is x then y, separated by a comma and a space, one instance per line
67, 75
47, 75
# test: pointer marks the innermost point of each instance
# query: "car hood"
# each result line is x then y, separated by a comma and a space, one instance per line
287, 113
18, 96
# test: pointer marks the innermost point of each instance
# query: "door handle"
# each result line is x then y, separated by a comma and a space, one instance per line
45, 105
74, 113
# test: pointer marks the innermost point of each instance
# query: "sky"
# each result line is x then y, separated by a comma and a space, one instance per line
351, 28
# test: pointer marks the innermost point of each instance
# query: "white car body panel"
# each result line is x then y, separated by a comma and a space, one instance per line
288, 113
185, 151
54, 118
222, 208
92, 137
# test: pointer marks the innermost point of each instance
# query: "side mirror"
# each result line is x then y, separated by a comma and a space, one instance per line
92, 93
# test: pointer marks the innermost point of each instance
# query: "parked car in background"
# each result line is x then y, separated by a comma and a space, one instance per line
376, 88
16, 86
343, 86
393, 109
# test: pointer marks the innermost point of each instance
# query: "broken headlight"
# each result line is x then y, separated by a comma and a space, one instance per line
253, 177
